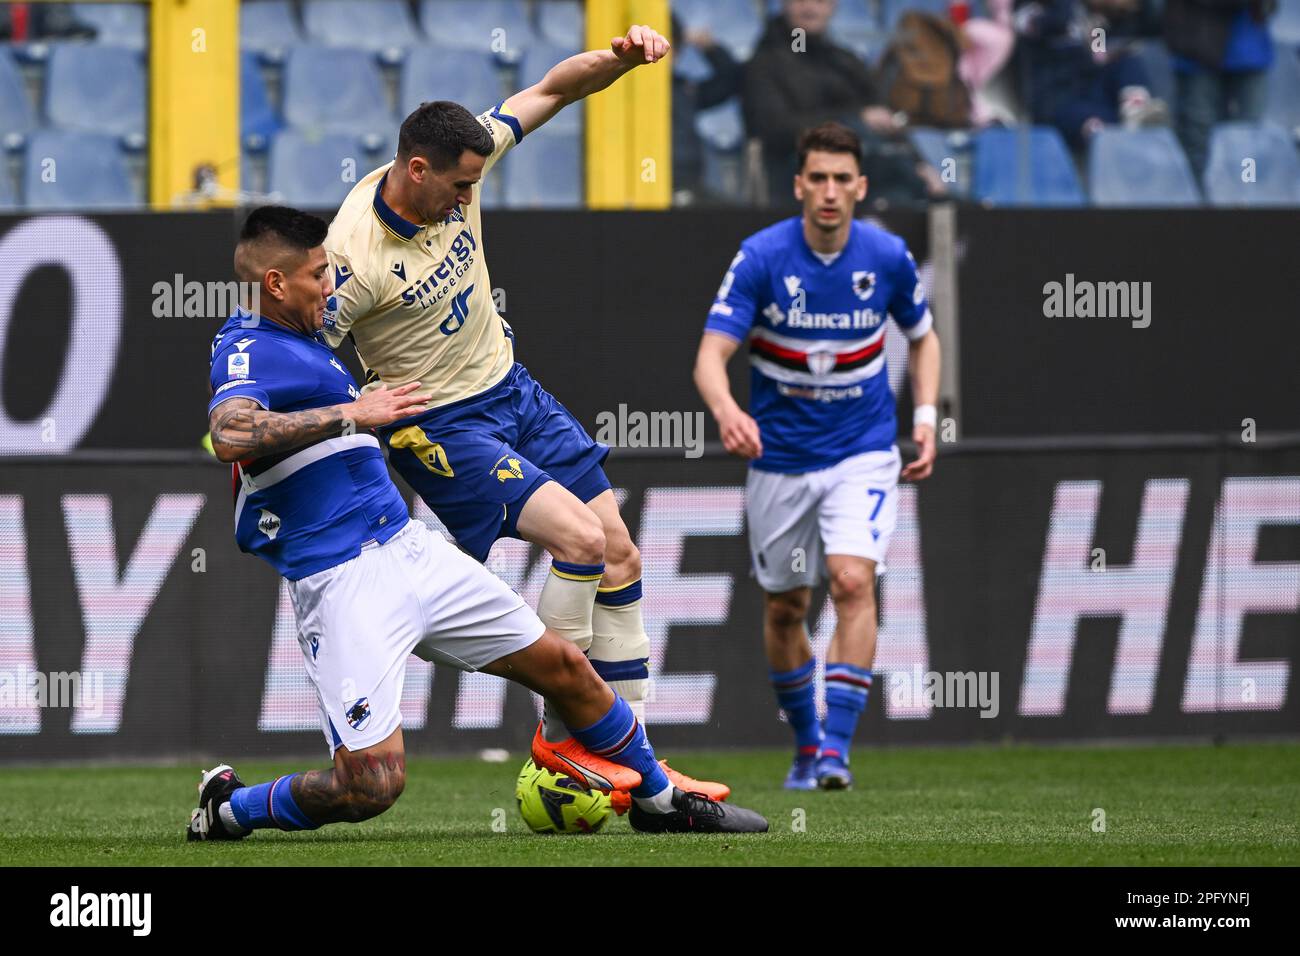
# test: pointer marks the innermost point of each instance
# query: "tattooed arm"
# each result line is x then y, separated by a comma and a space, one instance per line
241, 428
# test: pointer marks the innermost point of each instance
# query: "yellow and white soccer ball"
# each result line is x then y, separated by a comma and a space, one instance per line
550, 803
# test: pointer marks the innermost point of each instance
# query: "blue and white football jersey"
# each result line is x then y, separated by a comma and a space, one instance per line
312, 507
816, 334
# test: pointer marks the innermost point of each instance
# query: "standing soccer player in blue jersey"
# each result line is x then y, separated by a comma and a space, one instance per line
810, 296
369, 585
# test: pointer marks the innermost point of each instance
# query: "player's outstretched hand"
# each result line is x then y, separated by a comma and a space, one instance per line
923, 435
385, 405
740, 435
641, 45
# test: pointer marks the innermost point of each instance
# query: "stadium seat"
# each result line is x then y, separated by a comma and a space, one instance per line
1276, 168
96, 89
313, 171
539, 58
258, 121
937, 146
17, 118
471, 25
722, 127
561, 22
330, 89
855, 26
467, 77
377, 25
118, 24
1285, 25
268, 28
735, 24
75, 170
1160, 68
1143, 167
545, 171
1027, 166
1283, 104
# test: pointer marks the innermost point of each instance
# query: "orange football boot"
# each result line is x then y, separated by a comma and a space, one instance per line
569, 758
712, 790
620, 801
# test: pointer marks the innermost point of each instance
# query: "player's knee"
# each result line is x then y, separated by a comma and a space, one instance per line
789, 610
853, 586
583, 542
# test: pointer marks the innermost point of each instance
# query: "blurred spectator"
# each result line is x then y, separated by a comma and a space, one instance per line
690, 96
988, 45
1081, 74
28, 22
799, 78
1222, 54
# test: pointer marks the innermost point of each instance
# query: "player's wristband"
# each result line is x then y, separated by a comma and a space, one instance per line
925, 415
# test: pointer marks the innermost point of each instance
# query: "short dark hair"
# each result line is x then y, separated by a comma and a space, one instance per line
440, 131
829, 137
290, 227
271, 232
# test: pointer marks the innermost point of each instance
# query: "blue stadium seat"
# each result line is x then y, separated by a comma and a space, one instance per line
268, 27
938, 146
1285, 25
331, 89
258, 121
376, 25
722, 127
891, 10
736, 24
1283, 104
540, 58
1276, 169
467, 77
1028, 166
1160, 68
119, 24
855, 26
545, 171
471, 25
1142, 167
96, 89
84, 171
17, 117
561, 22
312, 171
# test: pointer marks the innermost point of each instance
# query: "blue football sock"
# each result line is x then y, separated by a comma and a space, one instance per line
271, 804
796, 694
618, 737
846, 697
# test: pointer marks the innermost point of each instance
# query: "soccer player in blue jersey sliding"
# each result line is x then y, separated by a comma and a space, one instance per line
369, 585
494, 454
810, 296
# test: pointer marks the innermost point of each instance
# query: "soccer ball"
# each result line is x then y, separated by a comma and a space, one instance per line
550, 803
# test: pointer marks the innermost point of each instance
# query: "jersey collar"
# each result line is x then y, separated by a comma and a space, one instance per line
400, 228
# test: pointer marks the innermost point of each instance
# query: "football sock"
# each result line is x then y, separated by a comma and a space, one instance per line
265, 805
618, 737
796, 693
620, 649
847, 687
565, 607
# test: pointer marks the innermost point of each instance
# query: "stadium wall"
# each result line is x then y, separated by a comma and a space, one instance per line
1058, 593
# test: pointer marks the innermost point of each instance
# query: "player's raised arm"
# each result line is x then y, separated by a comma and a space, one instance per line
243, 429
586, 73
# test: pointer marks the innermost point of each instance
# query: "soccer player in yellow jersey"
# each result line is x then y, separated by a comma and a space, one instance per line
495, 455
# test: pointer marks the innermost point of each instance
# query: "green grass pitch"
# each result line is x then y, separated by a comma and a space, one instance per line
1237, 804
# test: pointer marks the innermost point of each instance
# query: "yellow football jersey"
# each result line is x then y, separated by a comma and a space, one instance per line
417, 298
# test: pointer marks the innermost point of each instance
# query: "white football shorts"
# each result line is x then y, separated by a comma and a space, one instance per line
795, 520
358, 623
